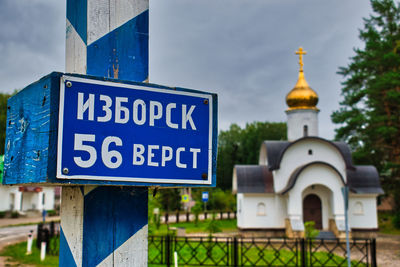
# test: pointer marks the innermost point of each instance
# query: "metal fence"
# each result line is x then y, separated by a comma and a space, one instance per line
49, 233
233, 251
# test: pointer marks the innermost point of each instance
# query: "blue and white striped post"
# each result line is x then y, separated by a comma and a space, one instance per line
105, 225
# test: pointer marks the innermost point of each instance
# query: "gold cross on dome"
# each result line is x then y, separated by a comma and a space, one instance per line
301, 52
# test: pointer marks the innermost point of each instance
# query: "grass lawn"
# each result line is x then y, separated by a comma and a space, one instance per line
190, 227
17, 253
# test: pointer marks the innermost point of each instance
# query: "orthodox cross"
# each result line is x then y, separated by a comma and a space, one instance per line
301, 52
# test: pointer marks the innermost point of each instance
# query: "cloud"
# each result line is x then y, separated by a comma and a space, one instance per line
242, 50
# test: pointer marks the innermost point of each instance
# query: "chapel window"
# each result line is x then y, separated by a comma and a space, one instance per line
261, 209
310, 152
305, 130
358, 208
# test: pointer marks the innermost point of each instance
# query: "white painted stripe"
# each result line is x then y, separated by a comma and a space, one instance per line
98, 19
105, 16
72, 220
75, 51
124, 10
132, 253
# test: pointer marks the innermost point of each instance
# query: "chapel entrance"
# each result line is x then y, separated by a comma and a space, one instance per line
312, 210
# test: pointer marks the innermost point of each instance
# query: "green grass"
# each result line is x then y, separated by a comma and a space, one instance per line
386, 225
190, 227
17, 253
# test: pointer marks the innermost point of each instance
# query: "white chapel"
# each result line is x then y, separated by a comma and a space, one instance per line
301, 179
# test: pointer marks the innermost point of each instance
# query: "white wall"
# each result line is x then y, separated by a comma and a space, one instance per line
297, 155
296, 119
275, 212
320, 175
363, 216
29, 201
10, 198
49, 198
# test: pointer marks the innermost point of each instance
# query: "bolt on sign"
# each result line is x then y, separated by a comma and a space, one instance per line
111, 132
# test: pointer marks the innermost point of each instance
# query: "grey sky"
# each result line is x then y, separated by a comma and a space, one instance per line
241, 49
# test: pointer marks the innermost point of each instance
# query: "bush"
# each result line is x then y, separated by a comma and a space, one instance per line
310, 231
396, 221
14, 214
51, 213
2, 214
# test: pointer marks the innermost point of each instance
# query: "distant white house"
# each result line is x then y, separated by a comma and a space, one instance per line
26, 198
301, 179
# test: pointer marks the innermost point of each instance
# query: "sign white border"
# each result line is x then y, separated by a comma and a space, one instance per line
60, 175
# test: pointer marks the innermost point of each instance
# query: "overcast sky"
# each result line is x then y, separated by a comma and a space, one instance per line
243, 50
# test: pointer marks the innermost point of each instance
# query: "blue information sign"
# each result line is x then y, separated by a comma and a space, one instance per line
204, 196
123, 132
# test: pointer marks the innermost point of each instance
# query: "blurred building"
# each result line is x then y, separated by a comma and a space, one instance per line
27, 198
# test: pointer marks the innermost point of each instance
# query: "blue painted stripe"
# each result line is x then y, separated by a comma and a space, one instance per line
112, 215
77, 16
66, 258
122, 53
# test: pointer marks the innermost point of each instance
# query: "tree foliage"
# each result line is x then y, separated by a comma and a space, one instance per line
242, 146
3, 120
369, 115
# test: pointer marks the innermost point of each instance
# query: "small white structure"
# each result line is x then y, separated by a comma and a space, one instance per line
26, 198
301, 179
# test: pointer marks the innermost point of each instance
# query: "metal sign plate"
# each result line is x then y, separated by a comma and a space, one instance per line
204, 196
140, 133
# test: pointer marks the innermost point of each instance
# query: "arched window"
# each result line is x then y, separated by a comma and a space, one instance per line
261, 209
358, 208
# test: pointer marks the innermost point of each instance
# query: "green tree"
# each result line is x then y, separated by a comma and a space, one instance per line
3, 120
169, 199
242, 146
369, 115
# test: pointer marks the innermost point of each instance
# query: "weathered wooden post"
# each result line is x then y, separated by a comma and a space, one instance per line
102, 224
106, 138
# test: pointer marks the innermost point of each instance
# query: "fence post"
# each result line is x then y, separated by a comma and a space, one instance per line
229, 215
177, 216
235, 253
52, 229
303, 252
187, 217
167, 250
205, 215
373, 252
221, 215
166, 217
39, 235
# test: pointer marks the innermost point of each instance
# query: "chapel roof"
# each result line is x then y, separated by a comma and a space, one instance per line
259, 178
254, 179
364, 180
293, 178
276, 149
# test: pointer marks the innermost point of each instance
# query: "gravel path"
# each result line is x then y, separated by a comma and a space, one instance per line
388, 250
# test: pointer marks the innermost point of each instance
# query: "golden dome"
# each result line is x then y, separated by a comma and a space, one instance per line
302, 96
